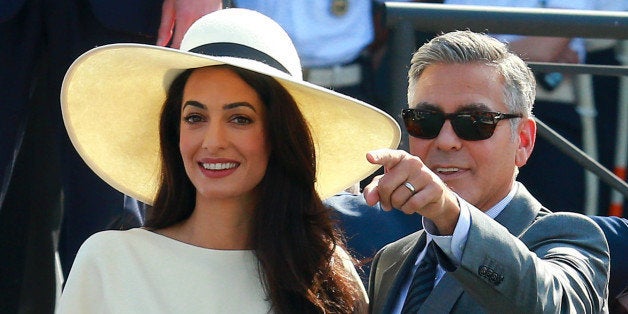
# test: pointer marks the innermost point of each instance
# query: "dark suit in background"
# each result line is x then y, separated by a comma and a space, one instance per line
616, 231
368, 228
47, 193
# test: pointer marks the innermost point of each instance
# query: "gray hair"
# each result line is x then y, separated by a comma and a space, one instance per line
469, 47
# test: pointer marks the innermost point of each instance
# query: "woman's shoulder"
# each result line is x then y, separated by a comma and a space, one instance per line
114, 240
107, 236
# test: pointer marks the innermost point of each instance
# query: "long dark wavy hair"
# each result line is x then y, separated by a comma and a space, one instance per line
293, 235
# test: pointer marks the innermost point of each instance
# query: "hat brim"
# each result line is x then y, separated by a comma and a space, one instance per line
112, 98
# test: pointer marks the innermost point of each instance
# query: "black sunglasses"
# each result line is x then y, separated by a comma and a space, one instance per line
469, 126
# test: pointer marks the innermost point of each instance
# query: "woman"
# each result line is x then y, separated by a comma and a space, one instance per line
245, 148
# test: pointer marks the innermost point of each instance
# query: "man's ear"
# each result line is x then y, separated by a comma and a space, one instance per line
527, 136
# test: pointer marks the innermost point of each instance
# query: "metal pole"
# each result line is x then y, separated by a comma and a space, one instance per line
404, 43
621, 147
586, 109
509, 20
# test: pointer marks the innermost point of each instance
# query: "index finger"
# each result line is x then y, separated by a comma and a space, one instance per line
386, 157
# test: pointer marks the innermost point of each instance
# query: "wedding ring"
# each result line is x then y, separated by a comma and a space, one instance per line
410, 187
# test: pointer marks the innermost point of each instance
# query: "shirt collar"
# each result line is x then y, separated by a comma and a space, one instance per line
497, 209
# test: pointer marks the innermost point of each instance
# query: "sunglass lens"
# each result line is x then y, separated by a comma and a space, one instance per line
473, 126
422, 124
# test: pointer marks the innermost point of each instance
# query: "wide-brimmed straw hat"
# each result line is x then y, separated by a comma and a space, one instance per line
112, 98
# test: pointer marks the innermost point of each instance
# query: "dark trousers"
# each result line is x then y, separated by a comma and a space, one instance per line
49, 198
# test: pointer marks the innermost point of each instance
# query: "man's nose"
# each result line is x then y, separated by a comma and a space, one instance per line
447, 138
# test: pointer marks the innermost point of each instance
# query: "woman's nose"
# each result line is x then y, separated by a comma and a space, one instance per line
214, 137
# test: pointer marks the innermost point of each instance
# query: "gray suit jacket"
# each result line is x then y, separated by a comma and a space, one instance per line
527, 260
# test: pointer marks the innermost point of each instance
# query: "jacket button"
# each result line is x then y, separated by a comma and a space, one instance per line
483, 271
496, 278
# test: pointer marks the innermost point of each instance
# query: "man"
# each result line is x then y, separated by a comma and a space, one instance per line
550, 174
498, 249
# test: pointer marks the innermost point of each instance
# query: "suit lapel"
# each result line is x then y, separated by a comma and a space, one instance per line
443, 297
396, 274
522, 210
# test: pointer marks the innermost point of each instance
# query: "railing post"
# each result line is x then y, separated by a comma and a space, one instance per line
403, 43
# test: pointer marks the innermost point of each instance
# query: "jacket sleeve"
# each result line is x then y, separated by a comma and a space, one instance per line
558, 265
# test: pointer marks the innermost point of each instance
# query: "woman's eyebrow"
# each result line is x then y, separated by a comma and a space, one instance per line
229, 106
194, 103
239, 104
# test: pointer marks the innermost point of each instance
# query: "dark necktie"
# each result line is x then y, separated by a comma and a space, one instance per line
422, 281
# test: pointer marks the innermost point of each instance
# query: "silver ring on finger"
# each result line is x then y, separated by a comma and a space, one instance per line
410, 187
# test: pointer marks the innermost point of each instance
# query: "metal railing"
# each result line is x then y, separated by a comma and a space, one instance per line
508, 20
